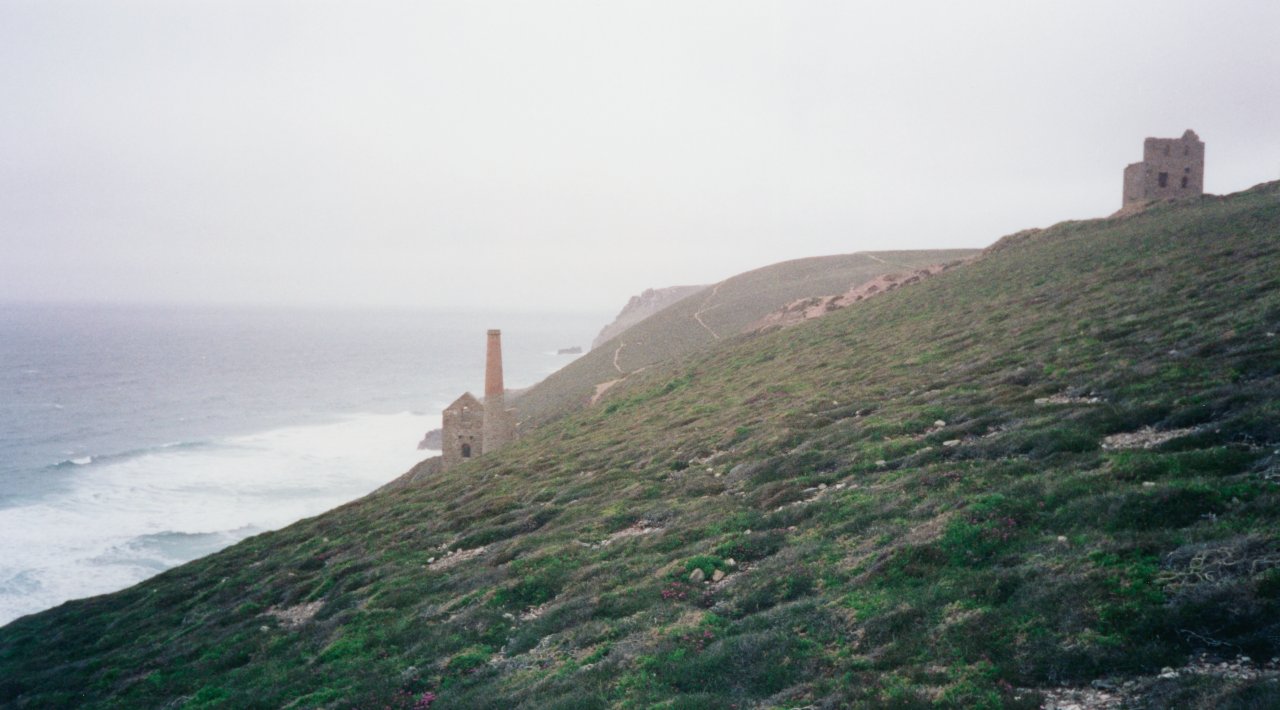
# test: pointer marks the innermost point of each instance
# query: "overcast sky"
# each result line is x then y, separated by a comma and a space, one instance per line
549, 155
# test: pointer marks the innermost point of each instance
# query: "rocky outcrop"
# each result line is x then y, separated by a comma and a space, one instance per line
641, 307
805, 309
433, 440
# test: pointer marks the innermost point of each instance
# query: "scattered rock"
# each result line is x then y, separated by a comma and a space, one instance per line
1144, 438
1068, 399
1111, 693
951, 442
717, 575
697, 576
295, 616
456, 557
805, 309
535, 612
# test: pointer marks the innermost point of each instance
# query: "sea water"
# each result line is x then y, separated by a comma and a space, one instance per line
133, 439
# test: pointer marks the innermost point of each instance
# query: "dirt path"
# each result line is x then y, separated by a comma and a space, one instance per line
698, 315
873, 257
604, 387
616, 353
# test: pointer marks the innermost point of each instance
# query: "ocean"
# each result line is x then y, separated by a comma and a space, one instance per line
133, 439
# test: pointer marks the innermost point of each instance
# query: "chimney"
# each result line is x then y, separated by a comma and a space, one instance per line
493, 366
498, 427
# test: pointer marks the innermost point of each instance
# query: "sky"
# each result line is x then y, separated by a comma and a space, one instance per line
561, 155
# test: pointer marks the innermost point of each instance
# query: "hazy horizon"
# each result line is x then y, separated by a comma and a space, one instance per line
561, 155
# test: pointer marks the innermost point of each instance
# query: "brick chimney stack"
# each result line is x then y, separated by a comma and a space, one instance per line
499, 425
493, 366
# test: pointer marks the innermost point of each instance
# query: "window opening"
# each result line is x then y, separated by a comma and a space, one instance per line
466, 451
1164, 179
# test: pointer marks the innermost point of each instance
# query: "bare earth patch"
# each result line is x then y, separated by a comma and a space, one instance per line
1144, 438
455, 557
640, 528
295, 615
604, 387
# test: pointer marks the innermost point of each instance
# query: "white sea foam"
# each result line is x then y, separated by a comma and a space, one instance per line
125, 519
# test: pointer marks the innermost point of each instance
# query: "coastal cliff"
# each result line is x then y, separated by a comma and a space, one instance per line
650, 301
1045, 477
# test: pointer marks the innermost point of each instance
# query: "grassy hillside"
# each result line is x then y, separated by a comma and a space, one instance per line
916, 501
642, 306
703, 319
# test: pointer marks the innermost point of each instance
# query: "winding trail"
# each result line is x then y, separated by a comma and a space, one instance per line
873, 257
698, 314
616, 353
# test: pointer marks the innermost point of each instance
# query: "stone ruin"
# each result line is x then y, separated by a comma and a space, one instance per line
471, 427
1171, 169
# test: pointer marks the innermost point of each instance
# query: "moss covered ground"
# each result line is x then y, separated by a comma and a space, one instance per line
911, 502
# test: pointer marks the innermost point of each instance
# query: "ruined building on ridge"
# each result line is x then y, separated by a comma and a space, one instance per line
471, 427
1171, 169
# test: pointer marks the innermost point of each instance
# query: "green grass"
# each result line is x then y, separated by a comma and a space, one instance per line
880, 559
725, 309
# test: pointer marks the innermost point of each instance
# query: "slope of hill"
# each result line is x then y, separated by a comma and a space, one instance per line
717, 312
642, 306
1057, 463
